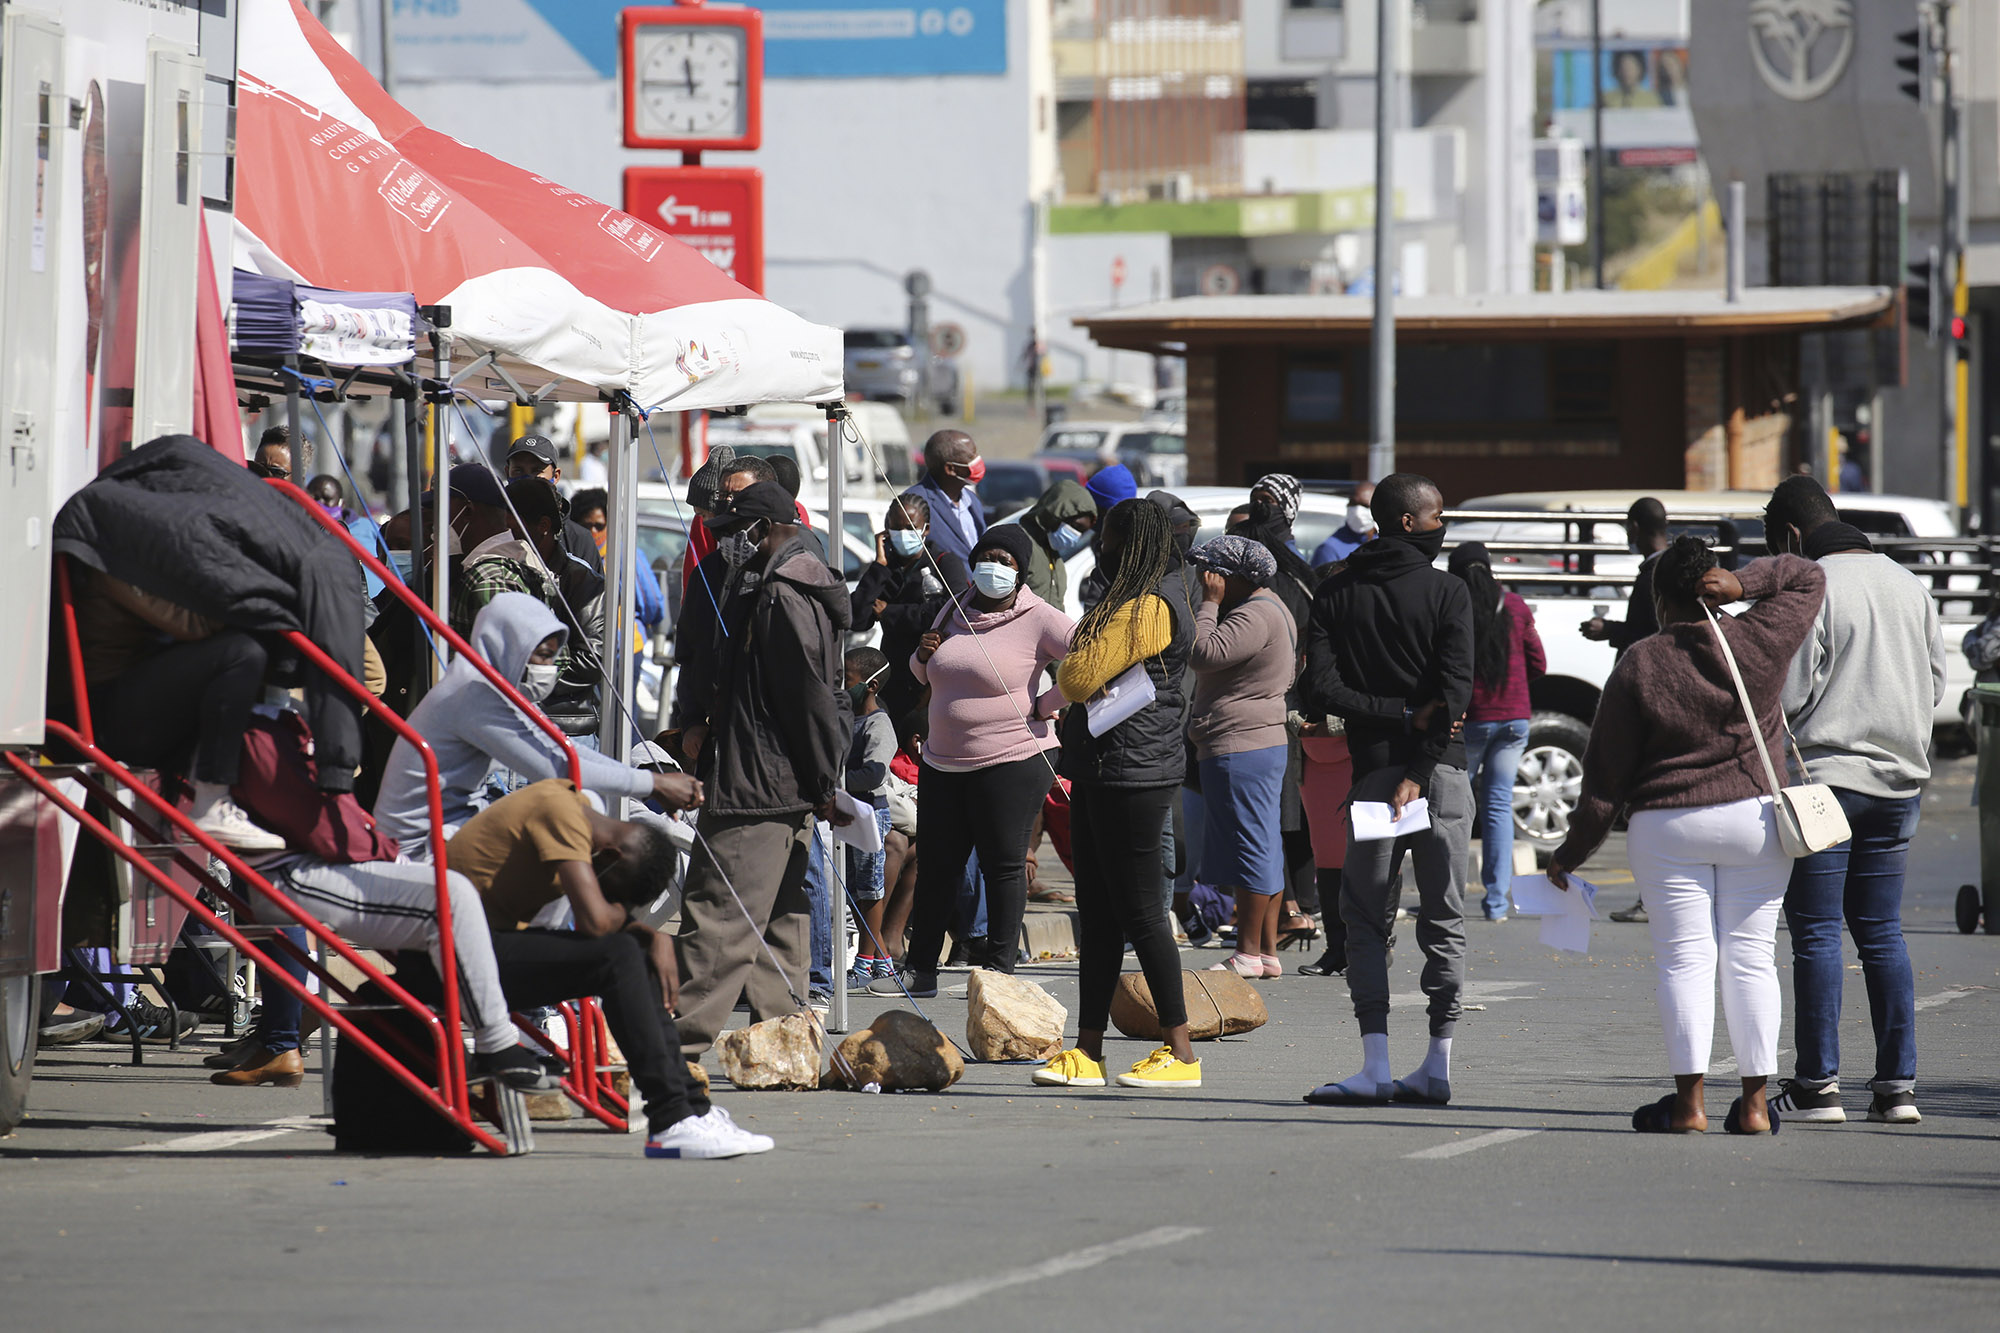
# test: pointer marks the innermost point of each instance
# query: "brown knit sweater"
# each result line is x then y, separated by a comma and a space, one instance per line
1670, 732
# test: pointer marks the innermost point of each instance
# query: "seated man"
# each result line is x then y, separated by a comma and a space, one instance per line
545, 842
338, 866
471, 728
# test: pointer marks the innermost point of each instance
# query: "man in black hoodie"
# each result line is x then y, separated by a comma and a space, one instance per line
1390, 650
770, 741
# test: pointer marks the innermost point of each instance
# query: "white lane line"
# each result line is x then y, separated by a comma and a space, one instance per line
1473, 1144
1728, 1066
939, 1299
1945, 997
225, 1138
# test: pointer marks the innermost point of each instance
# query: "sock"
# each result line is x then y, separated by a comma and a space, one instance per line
206, 796
1816, 1084
1374, 1072
1433, 1076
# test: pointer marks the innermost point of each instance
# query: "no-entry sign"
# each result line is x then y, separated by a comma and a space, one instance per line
717, 210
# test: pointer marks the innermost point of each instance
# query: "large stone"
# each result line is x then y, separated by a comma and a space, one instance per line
1010, 1019
897, 1052
776, 1053
1219, 1004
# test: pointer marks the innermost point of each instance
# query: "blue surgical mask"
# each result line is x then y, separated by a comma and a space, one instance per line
1066, 540
993, 579
403, 561
906, 541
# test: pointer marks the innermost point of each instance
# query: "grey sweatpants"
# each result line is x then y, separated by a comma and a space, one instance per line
764, 858
1369, 886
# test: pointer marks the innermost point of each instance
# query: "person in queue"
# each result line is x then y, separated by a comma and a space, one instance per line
1859, 700
911, 579
1244, 657
535, 456
771, 737
1357, 528
952, 468
1506, 658
1059, 524
1390, 651
273, 455
590, 509
986, 761
1122, 785
1671, 747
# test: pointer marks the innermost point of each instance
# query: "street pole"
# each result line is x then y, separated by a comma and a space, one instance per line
1953, 222
1382, 403
1597, 141
388, 22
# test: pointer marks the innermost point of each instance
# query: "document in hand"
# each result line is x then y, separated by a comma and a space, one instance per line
1566, 917
1123, 697
861, 832
1373, 822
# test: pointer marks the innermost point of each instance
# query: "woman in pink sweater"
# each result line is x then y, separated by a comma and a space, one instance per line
986, 765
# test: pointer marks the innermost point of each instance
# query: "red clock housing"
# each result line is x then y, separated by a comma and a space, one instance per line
632, 22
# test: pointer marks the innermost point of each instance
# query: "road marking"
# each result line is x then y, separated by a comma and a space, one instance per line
1728, 1066
1945, 997
939, 1299
225, 1138
1478, 993
1473, 1144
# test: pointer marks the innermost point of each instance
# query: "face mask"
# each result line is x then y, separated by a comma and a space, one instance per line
404, 561
1263, 512
1429, 543
906, 542
539, 682
1359, 519
739, 548
993, 579
1066, 540
332, 509
975, 471
1184, 542
857, 694
602, 536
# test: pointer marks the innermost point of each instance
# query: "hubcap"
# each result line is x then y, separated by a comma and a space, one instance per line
1546, 791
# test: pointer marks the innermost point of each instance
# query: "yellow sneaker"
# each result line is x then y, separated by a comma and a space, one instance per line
1161, 1070
1071, 1069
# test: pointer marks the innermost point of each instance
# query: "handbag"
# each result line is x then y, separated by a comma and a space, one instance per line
1809, 818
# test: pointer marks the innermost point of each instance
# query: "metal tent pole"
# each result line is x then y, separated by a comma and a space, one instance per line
613, 736
440, 398
836, 496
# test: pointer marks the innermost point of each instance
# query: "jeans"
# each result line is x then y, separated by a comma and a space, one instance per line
1860, 880
1493, 753
819, 892
1713, 877
1122, 894
283, 1013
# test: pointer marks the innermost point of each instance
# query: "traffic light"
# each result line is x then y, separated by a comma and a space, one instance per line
1923, 305
1916, 64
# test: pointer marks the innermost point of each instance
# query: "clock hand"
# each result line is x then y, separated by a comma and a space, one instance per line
687, 68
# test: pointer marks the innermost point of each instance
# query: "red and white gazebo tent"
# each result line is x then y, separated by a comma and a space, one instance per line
339, 186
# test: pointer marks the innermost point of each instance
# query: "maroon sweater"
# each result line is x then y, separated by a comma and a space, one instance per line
1670, 732
1507, 701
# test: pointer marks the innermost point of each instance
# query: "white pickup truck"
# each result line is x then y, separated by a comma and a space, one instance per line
1567, 553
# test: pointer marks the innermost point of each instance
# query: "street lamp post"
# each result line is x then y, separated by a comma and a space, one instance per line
1382, 404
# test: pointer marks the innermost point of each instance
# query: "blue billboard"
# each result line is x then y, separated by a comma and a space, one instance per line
812, 39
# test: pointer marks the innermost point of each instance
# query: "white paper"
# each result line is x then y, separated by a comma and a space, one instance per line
1373, 822
1566, 916
1123, 697
861, 832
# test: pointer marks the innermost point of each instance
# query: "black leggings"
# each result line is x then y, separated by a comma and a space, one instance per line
1122, 894
192, 698
990, 810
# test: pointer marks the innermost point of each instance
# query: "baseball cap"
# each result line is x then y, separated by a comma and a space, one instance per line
475, 483
762, 499
541, 446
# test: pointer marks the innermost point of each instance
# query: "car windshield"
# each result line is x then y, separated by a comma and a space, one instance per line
873, 340
1089, 441
1152, 442
1006, 489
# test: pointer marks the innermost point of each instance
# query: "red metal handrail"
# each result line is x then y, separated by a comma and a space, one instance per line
404, 594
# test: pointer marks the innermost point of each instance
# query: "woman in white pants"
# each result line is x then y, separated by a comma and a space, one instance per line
1670, 744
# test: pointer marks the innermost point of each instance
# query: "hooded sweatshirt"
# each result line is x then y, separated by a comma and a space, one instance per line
1389, 633
1047, 575
472, 728
979, 718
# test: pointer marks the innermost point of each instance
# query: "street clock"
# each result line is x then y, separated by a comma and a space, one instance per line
693, 76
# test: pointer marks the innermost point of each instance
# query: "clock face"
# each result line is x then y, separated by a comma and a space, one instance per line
690, 81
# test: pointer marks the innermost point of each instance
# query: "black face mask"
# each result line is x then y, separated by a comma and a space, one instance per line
1183, 542
1431, 543
740, 548
1263, 512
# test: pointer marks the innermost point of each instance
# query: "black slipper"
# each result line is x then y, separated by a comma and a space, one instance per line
1428, 1095
1658, 1118
1734, 1123
1336, 1094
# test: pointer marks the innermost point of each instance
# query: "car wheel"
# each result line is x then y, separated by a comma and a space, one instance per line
20, 1012
1550, 781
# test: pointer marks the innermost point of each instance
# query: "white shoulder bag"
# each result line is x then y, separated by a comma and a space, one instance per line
1809, 817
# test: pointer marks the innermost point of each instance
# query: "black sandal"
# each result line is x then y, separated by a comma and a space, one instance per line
1658, 1118
1734, 1123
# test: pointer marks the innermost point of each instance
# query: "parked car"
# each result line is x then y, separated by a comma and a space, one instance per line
883, 364
884, 445
1155, 451
1012, 483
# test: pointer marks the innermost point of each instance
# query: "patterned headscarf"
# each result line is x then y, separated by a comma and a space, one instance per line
1237, 555
1283, 488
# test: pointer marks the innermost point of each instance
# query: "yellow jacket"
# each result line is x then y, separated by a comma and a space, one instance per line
1140, 629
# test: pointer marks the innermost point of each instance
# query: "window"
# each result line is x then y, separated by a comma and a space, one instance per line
1466, 384
1315, 394
1583, 381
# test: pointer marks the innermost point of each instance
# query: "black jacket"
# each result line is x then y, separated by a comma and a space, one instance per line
778, 717
1641, 621
1391, 632
176, 519
1148, 749
915, 595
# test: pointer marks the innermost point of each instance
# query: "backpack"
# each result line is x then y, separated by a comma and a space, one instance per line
278, 786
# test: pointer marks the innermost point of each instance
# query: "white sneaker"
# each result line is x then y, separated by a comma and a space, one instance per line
707, 1136
227, 824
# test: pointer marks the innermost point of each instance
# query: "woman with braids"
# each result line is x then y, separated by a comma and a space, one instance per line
1671, 745
1506, 655
1122, 784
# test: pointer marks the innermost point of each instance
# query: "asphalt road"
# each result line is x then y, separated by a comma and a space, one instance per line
1528, 1203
